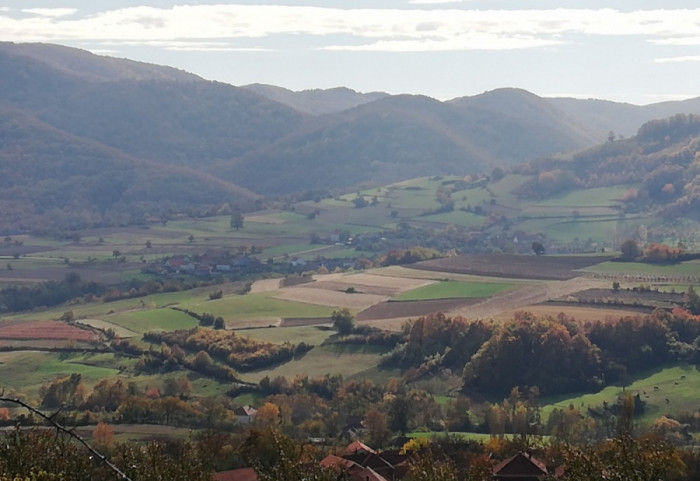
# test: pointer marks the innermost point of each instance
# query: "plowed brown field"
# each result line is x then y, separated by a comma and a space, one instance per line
44, 330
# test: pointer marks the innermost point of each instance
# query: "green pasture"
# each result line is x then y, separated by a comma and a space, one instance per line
291, 249
257, 306
454, 289
639, 268
596, 197
321, 360
566, 230
99, 310
479, 437
277, 335
682, 394
34, 262
504, 188
456, 217
27, 371
152, 320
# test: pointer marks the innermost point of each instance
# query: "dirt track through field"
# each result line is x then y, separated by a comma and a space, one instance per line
525, 296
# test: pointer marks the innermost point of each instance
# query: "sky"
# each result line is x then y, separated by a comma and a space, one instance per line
636, 51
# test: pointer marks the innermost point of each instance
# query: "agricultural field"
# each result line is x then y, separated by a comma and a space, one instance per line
474, 286
454, 290
522, 266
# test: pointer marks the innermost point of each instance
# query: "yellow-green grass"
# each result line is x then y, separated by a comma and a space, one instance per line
328, 359
595, 197
277, 335
634, 268
201, 386
456, 217
163, 319
479, 437
603, 230
99, 310
504, 188
27, 371
682, 394
402, 271
33, 263
257, 306
454, 289
290, 249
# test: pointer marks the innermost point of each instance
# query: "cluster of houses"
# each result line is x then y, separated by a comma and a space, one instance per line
213, 264
208, 264
362, 463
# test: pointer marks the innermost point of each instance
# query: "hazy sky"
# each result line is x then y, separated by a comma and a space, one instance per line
636, 51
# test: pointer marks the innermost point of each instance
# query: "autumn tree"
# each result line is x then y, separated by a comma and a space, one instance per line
376, 424
103, 437
268, 415
67, 390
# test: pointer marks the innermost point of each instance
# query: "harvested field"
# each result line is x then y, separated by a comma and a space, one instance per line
517, 266
265, 285
399, 284
578, 312
516, 299
44, 330
628, 294
390, 310
409, 272
323, 297
393, 324
304, 321
334, 286
264, 219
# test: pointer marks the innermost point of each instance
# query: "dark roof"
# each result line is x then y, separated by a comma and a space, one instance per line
522, 464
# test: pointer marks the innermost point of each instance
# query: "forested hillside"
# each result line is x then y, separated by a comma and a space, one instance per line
129, 141
662, 160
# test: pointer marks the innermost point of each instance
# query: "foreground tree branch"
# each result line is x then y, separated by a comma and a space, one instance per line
60, 428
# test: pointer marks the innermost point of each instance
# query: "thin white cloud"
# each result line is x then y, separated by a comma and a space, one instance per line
390, 30
687, 58
189, 46
433, 2
50, 12
677, 41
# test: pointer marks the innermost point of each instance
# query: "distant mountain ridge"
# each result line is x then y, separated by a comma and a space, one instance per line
316, 101
176, 132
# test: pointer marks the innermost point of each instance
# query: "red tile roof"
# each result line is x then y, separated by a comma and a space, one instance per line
357, 446
242, 474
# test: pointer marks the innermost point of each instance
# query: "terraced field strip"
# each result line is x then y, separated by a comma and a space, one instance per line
322, 360
120, 331
579, 313
397, 283
435, 275
454, 290
330, 298
525, 296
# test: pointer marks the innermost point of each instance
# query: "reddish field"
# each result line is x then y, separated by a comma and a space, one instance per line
44, 330
513, 266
